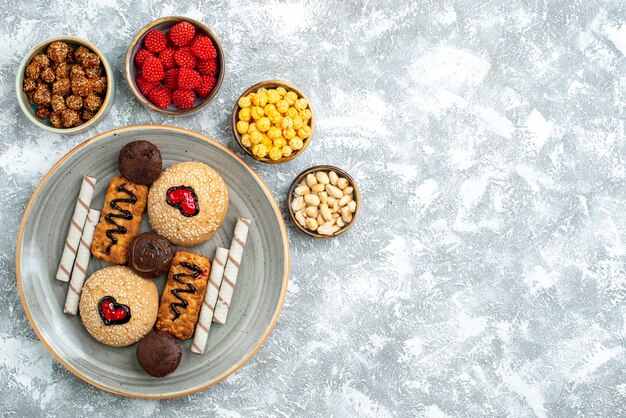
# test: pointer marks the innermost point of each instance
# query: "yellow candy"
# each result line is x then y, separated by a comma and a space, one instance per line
275, 154
266, 141
281, 91
282, 106
297, 122
273, 132
263, 124
305, 114
262, 90
287, 151
280, 142
301, 104
291, 97
255, 136
242, 127
275, 117
287, 122
256, 112
272, 96
305, 132
269, 108
296, 143
260, 150
244, 102
260, 99
289, 133
244, 114
292, 113
252, 128
245, 140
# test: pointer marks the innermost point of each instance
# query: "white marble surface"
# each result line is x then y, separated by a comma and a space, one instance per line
486, 275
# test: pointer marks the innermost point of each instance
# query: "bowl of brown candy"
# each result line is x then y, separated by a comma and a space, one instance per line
65, 85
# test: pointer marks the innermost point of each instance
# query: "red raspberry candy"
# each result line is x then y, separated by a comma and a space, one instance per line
161, 97
203, 48
207, 67
141, 56
188, 79
167, 58
184, 58
183, 99
207, 82
152, 69
145, 86
182, 33
171, 78
155, 41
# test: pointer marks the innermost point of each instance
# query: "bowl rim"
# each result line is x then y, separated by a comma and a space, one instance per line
129, 60
277, 212
23, 99
271, 84
342, 173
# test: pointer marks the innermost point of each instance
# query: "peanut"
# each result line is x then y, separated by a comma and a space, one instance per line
311, 224
342, 183
348, 190
334, 191
311, 180
319, 187
298, 203
333, 177
302, 189
312, 199
300, 218
352, 206
311, 211
326, 214
325, 229
322, 177
345, 199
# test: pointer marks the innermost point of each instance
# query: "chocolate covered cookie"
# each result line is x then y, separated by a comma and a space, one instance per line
140, 162
150, 254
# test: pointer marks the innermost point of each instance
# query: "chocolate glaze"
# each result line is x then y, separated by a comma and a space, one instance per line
150, 254
124, 214
190, 288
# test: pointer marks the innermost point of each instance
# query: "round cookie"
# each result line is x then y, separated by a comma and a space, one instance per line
150, 254
117, 306
188, 203
159, 353
140, 162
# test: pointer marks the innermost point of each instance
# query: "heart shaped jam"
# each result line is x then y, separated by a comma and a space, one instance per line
113, 313
184, 199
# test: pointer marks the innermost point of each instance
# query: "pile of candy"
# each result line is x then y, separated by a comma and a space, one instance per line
176, 67
274, 122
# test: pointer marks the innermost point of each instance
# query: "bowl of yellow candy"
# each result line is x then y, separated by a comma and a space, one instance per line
273, 122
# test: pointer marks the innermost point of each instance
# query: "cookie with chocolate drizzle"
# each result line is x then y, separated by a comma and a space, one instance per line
121, 215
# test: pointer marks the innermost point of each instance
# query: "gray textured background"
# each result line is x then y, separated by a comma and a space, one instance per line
486, 275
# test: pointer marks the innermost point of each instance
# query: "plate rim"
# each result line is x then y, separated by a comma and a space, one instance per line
286, 251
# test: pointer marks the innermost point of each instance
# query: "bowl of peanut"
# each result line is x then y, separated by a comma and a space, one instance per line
273, 122
324, 201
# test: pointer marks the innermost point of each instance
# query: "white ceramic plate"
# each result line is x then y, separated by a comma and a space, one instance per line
261, 284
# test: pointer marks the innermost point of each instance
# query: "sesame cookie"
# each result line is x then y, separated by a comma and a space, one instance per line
188, 203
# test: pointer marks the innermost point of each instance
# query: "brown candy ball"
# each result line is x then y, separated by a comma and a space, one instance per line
69, 118
58, 103
33, 71
62, 70
90, 60
29, 85
99, 85
80, 52
76, 71
62, 87
92, 102
87, 115
41, 60
47, 75
74, 102
81, 86
55, 119
42, 95
43, 112
92, 73
57, 51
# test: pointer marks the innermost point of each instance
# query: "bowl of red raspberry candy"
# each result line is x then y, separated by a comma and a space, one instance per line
175, 65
